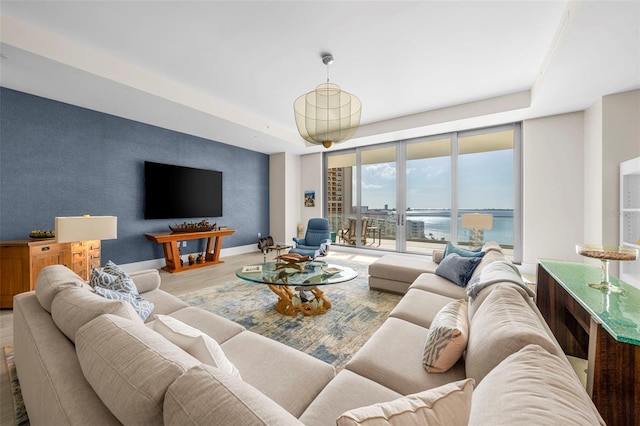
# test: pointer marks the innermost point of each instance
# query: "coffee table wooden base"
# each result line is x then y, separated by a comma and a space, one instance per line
290, 303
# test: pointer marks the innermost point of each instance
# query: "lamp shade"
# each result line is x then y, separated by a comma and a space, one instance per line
477, 221
327, 115
86, 228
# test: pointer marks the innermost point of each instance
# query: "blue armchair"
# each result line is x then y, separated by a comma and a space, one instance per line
316, 241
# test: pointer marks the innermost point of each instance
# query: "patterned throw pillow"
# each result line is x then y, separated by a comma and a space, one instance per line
113, 283
142, 306
447, 338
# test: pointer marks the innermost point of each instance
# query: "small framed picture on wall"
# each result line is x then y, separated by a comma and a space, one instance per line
309, 198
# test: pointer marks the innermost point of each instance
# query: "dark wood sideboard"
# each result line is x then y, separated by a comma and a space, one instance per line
599, 326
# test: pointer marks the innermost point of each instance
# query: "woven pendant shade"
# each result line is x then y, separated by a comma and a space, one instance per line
327, 115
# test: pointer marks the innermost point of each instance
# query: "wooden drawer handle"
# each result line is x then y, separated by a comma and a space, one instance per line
45, 249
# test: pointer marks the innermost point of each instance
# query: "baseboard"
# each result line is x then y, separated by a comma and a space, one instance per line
159, 263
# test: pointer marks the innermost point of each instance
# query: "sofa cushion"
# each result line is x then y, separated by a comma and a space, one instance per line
196, 343
53, 279
401, 268
457, 269
205, 395
130, 366
393, 358
146, 280
447, 338
505, 323
347, 391
547, 392
289, 377
489, 257
491, 246
433, 283
163, 303
451, 401
74, 307
420, 307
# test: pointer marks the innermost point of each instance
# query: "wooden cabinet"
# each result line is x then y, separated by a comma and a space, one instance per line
85, 255
22, 260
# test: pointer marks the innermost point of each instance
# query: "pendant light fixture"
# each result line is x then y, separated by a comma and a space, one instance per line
327, 115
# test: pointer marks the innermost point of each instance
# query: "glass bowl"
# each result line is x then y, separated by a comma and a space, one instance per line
606, 254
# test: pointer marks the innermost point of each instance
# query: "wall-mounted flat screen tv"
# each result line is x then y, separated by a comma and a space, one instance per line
172, 192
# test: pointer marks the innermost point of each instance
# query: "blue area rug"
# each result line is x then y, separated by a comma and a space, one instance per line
333, 337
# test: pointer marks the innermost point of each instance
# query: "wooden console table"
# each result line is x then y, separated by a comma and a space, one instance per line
599, 326
169, 241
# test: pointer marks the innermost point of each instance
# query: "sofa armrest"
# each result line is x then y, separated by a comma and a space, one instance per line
146, 280
437, 255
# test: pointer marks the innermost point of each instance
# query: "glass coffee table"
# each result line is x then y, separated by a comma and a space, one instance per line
297, 285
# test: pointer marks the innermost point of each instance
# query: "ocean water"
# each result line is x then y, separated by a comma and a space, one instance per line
440, 228
437, 225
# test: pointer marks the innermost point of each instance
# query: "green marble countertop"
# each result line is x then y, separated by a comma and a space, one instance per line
619, 313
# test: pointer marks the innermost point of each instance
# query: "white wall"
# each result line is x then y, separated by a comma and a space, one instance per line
553, 153
612, 135
311, 179
620, 142
284, 190
593, 174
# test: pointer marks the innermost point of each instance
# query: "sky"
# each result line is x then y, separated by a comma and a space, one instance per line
485, 181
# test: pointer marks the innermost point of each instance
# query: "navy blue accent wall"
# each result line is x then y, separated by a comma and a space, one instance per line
58, 159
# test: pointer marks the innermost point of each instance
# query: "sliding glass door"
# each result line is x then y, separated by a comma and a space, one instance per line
378, 205
428, 194
417, 195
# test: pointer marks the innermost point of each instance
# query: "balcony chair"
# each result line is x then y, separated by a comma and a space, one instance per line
364, 230
316, 240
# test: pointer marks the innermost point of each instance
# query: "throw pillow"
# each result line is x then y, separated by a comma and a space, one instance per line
142, 306
447, 338
457, 268
198, 344
450, 249
451, 402
113, 283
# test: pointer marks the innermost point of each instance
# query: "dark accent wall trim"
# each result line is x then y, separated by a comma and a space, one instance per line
58, 159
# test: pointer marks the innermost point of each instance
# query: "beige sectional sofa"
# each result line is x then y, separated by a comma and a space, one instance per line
120, 370
82, 359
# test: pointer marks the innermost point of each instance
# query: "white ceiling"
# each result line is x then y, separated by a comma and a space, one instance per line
230, 70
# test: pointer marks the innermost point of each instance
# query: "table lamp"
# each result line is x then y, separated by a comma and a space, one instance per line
86, 228
477, 222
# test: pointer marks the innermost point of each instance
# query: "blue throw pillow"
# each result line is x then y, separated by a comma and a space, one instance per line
462, 252
457, 269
